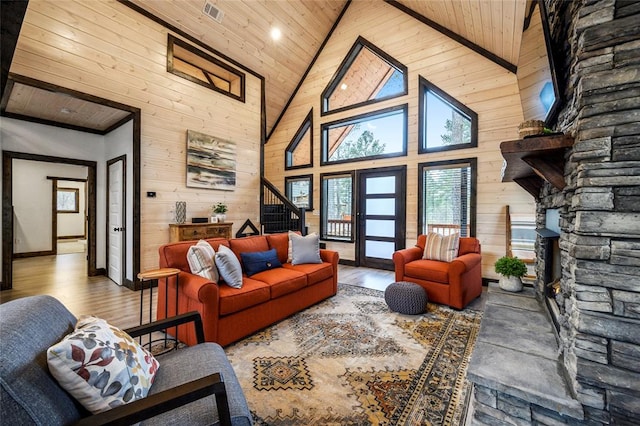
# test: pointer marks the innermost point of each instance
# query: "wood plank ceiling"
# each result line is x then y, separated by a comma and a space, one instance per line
243, 34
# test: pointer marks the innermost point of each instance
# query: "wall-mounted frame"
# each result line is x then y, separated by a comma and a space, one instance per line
299, 189
211, 162
68, 200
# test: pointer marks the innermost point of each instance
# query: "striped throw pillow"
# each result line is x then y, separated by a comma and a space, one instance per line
438, 247
201, 260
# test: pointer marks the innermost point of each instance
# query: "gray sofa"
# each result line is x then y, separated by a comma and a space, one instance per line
190, 386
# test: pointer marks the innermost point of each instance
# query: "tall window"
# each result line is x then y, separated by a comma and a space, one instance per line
447, 197
336, 198
379, 134
445, 123
299, 152
366, 75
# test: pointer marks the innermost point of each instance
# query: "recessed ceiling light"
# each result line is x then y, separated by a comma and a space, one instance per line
276, 33
67, 111
344, 86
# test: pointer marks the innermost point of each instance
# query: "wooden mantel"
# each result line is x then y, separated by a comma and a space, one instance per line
532, 160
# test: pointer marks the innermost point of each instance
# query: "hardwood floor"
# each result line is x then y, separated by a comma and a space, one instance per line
64, 277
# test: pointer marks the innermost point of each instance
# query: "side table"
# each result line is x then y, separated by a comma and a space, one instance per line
158, 274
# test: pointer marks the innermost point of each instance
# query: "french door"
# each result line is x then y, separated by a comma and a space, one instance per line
381, 215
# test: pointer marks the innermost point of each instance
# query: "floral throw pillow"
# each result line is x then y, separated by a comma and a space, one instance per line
101, 366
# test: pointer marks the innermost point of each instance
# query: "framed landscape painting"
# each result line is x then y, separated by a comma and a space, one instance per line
211, 162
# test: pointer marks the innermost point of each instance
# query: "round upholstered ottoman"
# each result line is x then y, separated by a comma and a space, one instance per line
406, 298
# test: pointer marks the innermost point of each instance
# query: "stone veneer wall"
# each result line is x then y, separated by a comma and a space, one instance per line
600, 207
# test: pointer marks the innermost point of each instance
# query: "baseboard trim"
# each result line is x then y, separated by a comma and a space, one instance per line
72, 237
486, 281
33, 254
347, 262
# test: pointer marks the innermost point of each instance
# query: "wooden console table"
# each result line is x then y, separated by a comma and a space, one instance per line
197, 231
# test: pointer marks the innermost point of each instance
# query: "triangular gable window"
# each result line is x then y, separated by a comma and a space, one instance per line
299, 153
367, 75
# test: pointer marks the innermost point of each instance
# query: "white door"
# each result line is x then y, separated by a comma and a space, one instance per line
115, 223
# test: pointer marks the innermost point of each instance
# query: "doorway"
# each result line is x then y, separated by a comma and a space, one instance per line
116, 217
381, 217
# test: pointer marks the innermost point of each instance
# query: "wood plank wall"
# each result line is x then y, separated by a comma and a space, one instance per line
488, 89
106, 49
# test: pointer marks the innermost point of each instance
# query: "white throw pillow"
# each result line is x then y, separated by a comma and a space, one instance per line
438, 247
229, 267
201, 260
101, 366
305, 249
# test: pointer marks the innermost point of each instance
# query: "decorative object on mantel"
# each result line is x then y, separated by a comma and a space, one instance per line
531, 127
211, 162
219, 212
511, 270
181, 211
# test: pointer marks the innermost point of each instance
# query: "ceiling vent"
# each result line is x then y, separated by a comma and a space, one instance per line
213, 12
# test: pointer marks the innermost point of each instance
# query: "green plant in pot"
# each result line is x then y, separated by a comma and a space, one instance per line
511, 270
219, 210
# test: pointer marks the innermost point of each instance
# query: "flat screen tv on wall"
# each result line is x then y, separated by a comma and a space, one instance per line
537, 80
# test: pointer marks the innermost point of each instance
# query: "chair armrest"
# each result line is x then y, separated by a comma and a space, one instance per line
465, 262
329, 256
163, 324
164, 401
404, 256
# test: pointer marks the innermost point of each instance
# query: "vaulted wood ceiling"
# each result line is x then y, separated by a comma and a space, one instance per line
243, 34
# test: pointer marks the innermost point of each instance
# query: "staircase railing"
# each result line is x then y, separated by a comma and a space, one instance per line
277, 213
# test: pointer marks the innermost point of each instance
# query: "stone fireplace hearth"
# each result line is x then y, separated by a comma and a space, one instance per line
599, 219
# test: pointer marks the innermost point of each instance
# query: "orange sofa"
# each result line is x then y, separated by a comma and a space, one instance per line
454, 283
229, 314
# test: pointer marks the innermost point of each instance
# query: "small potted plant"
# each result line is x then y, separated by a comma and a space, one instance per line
219, 210
511, 270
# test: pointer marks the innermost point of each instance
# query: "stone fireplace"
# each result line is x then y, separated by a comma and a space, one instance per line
597, 246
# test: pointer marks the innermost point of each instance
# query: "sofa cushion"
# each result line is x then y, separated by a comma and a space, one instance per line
280, 242
101, 366
439, 247
253, 292
201, 260
315, 272
429, 270
259, 261
282, 281
248, 244
229, 267
305, 249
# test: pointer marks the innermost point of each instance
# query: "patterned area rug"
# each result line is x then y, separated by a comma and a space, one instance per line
351, 361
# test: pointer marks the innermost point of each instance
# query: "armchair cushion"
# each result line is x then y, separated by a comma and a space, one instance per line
439, 247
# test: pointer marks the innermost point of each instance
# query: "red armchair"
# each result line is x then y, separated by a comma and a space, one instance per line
454, 283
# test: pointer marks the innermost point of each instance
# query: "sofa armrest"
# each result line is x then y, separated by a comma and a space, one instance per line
202, 295
329, 256
404, 256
